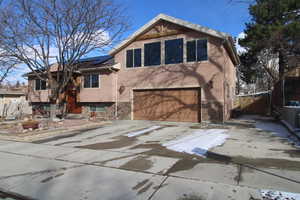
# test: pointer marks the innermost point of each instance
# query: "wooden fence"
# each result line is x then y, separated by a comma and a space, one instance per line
253, 103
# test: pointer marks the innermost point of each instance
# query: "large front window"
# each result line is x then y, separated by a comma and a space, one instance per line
173, 51
91, 81
152, 54
40, 84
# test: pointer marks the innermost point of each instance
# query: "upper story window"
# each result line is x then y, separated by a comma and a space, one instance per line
40, 84
91, 81
174, 51
196, 50
133, 58
152, 54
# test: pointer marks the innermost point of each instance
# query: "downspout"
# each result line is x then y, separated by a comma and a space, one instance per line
116, 96
224, 90
116, 91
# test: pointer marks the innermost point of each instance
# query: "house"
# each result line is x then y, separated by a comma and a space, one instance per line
169, 70
8, 94
13, 103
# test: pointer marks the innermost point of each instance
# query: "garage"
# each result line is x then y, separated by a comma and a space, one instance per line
178, 105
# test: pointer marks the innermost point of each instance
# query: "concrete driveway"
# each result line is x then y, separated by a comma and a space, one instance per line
106, 164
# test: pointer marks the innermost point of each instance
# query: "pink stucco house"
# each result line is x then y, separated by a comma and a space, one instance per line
169, 70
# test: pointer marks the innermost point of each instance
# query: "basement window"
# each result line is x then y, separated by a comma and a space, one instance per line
98, 108
174, 51
196, 50
152, 54
91, 81
40, 84
133, 58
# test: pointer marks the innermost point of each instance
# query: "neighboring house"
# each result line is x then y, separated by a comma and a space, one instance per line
168, 70
13, 104
8, 94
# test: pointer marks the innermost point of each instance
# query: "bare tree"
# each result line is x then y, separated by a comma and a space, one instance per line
40, 32
7, 65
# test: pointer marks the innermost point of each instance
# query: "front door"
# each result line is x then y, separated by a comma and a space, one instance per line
72, 104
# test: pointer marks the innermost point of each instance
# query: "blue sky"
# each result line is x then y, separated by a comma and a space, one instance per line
216, 14
220, 15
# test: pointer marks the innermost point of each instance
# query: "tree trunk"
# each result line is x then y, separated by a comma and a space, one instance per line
52, 111
282, 64
281, 70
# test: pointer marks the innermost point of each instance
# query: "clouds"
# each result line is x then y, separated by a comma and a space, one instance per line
239, 48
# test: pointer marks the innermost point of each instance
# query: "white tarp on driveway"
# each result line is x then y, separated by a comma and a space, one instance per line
136, 133
198, 142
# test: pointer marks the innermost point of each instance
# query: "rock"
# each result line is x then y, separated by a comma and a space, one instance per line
24, 131
30, 129
26, 119
56, 120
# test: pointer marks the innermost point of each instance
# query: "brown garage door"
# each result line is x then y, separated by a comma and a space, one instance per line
180, 105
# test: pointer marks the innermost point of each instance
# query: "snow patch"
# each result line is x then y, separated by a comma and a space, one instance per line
136, 133
279, 195
278, 130
268, 124
199, 142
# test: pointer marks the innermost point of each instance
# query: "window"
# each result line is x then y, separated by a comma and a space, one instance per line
152, 54
201, 50
40, 84
173, 51
191, 51
91, 81
196, 50
98, 107
129, 58
138, 57
133, 58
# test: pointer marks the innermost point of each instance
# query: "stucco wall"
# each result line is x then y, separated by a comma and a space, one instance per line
106, 91
229, 84
208, 75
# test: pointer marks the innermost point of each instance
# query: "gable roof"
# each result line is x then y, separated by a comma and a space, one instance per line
185, 24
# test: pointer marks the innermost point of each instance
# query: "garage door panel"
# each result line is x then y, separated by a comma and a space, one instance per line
167, 105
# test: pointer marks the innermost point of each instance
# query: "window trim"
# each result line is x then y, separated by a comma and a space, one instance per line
90, 84
207, 49
133, 58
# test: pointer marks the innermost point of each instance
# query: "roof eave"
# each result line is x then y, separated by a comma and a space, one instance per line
230, 44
